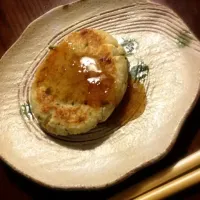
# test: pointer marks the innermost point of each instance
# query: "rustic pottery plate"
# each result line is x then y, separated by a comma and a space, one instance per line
158, 44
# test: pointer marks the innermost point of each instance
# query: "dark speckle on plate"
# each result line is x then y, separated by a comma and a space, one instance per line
130, 45
140, 71
183, 39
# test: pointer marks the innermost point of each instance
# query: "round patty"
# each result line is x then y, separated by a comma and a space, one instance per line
79, 83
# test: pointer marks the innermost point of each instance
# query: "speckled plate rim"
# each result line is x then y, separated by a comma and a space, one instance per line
156, 158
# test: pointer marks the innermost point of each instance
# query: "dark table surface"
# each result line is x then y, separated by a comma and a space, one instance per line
15, 15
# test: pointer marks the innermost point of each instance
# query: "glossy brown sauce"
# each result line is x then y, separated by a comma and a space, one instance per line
132, 105
74, 78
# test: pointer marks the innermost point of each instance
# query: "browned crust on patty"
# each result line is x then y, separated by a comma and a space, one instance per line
61, 88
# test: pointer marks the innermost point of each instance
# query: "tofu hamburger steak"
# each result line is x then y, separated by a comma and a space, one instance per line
79, 83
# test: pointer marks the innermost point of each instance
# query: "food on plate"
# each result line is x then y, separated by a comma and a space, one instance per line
79, 83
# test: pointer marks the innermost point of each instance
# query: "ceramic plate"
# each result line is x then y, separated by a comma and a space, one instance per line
153, 37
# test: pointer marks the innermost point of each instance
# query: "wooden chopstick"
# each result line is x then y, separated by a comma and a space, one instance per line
181, 167
172, 187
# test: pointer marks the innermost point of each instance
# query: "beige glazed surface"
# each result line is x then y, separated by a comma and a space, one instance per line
162, 41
